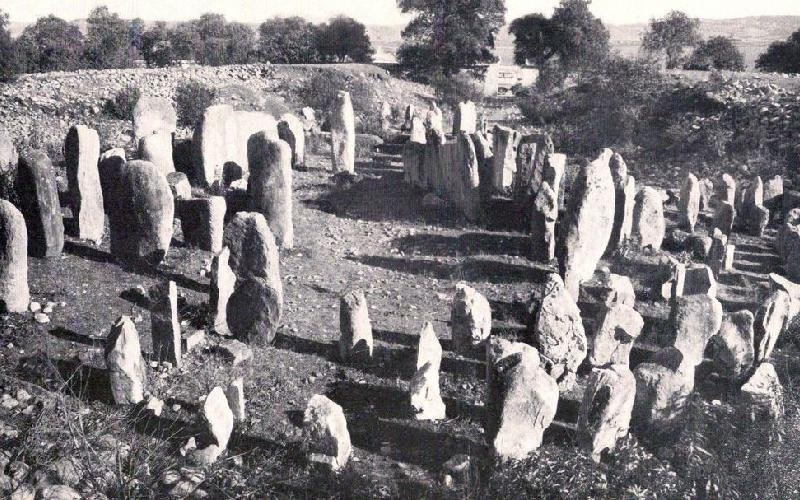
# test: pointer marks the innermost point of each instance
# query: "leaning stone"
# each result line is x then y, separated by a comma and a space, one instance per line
39, 204
723, 218
706, 192
157, 149
125, 364
543, 224
179, 185
154, 115
732, 348
726, 190
218, 417
718, 253
524, 406
662, 388
325, 434
203, 222
649, 226
690, 202
425, 396
14, 291
558, 332
605, 413
763, 394
429, 349
694, 320
290, 130
81, 155
165, 329
223, 283
470, 319
234, 393
699, 279
504, 161
356, 329
590, 223
619, 326
771, 319
343, 134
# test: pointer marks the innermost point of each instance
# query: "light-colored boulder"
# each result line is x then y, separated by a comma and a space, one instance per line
355, 326
732, 348
694, 320
424, 394
689, 206
223, 283
153, 115
325, 433
429, 349
343, 134
772, 317
81, 155
662, 388
649, 226
269, 190
418, 131
14, 291
762, 396
606, 408
618, 327
218, 416
157, 149
470, 319
126, 366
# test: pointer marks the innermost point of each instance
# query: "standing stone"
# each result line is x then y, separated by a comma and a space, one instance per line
618, 327
590, 223
670, 278
763, 394
524, 400
234, 393
309, 118
81, 153
125, 364
623, 201
434, 122
218, 419
498, 349
557, 331
410, 114
418, 131
543, 224
533, 151
699, 280
203, 222
290, 130
726, 190
606, 408
649, 226
152, 115
706, 192
425, 395
386, 116
325, 434
732, 348
213, 142
269, 189
730, 253
356, 329
694, 319
40, 206
343, 134
179, 185
223, 283
753, 216
110, 167
165, 329
141, 210
630, 202
723, 218
470, 319
717, 253
662, 388
771, 319
689, 206
157, 149
616, 288
8, 152
504, 166
466, 179
465, 118
429, 349
14, 292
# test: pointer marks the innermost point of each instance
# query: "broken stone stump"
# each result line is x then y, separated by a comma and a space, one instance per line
218, 418
203, 222
543, 224
694, 319
425, 395
771, 319
619, 326
234, 393
165, 329
732, 349
699, 279
355, 343
662, 388
343, 134
126, 366
269, 188
763, 395
689, 206
649, 226
39, 204
470, 320
14, 291
223, 283
157, 149
325, 434
617, 289
81, 154
605, 412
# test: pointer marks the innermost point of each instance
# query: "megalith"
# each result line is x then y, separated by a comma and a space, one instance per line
269, 189
689, 206
14, 291
126, 366
649, 226
605, 412
82, 153
355, 343
343, 134
40, 205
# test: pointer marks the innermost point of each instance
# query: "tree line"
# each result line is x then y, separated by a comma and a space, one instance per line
53, 44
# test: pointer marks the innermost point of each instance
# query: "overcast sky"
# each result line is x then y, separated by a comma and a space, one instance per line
379, 11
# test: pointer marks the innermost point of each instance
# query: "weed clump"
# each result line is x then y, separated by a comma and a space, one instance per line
191, 100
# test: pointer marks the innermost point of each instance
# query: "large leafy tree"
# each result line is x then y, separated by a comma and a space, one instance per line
51, 44
671, 36
289, 40
782, 57
8, 55
718, 52
572, 38
344, 39
136, 29
240, 43
448, 35
108, 41
156, 46
210, 29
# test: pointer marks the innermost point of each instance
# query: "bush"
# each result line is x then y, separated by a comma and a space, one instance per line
191, 100
457, 88
782, 57
718, 52
121, 106
320, 91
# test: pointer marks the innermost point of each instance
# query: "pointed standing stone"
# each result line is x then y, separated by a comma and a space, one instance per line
470, 319
14, 291
606, 408
726, 190
425, 395
125, 364
429, 349
649, 226
763, 394
165, 329
356, 329
753, 216
218, 418
223, 282
269, 189
40, 206
504, 166
543, 225
290, 130
690, 202
343, 134
325, 433
81, 153
234, 393
418, 131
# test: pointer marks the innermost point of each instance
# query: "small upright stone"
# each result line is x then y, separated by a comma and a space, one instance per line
465, 118
81, 153
356, 329
179, 185
706, 192
695, 319
223, 282
763, 394
343, 134
718, 253
14, 291
325, 434
157, 149
218, 418
649, 226
606, 408
165, 329
623, 202
690, 202
203, 222
732, 348
418, 132
425, 395
670, 278
124, 361
619, 326
543, 224
470, 319
40, 206
234, 393
753, 216
429, 349
723, 218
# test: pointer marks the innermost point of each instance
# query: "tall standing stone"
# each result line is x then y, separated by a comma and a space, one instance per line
649, 226
533, 152
153, 115
157, 149
110, 168
706, 192
290, 130
165, 329
223, 282
466, 179
465, 118
695, 319
39, 204
355, 342
605, 413
689, 206
213, 142
591, 219
124, 361
269, 189
203, 221
325, 435
543, 224
470, 319
717, 253
619, 174
82, 152
434, 123
343, 134
504, 161
14, 292
752, 215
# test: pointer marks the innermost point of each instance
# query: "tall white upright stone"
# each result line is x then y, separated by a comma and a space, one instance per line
81, 152
14, 291
124, 361
269, 189
343, 134
504, 161
690, 202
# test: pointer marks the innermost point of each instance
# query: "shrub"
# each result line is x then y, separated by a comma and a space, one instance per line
191, 100
457, 88
718, 52
320, 91
121, 106
782, 57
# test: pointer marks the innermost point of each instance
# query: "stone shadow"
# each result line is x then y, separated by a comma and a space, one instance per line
88, 252
472, 269
466, 244
70, 336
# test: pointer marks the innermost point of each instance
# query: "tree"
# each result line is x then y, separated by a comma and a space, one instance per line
210, 29
448, 35
185, 42
344, 39
671, 36
571, 39
782, 57
108, 40
136, 29
50, 44
155, 45
8, 54
718, 52
240, 43
290, 40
